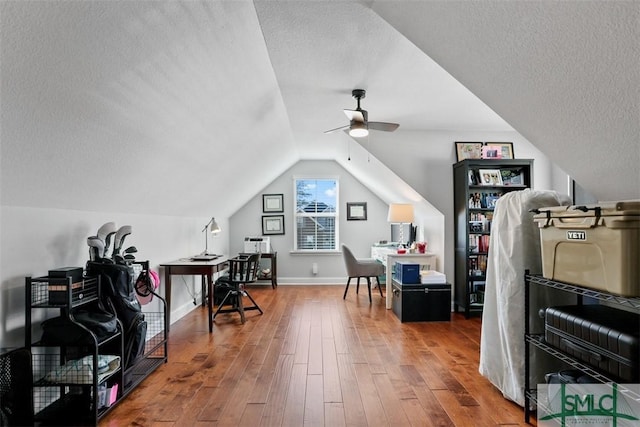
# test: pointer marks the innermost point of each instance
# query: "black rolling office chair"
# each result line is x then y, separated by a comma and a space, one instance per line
243, 269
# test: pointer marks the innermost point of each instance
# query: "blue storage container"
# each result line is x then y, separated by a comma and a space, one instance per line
406, 273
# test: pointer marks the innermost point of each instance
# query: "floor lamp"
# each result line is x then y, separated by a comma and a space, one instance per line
400, 213
214, 228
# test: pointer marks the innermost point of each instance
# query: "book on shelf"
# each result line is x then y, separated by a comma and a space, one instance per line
477, 265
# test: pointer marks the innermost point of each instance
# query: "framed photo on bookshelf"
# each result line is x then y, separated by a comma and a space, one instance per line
512, 176
498, 150
468, 150
490, 177
491, 201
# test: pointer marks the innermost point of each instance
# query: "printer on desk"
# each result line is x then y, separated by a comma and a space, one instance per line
257, 244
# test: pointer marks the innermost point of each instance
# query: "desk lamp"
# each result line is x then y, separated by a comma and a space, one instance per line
214, 228
400, 213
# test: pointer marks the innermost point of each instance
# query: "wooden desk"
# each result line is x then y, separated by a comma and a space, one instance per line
186, 267
390, 257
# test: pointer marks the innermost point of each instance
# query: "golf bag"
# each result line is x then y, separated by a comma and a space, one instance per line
118, 296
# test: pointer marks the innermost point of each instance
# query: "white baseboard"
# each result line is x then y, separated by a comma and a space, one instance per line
179, 312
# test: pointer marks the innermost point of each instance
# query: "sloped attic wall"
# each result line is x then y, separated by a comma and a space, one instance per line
564, 74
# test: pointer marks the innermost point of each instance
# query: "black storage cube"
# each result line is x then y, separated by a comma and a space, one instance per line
603, 337
422, 302
62, 273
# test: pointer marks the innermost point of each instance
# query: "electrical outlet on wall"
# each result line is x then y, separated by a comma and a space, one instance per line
314, 268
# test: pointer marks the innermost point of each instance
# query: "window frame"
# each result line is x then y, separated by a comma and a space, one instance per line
335, 214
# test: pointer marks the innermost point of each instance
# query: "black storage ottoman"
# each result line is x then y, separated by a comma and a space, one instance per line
422, 302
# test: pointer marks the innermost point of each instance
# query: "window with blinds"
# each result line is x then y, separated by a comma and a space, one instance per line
316, 215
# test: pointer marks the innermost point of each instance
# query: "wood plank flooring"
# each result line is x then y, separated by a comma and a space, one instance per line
314, 359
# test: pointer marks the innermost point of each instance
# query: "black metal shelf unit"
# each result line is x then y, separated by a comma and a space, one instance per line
473, 209
65, 385
66, 388
536, 340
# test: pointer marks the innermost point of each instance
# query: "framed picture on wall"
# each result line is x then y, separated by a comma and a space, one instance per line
272, 224
356, 211
272, 203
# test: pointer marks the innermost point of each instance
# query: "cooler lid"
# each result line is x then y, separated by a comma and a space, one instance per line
625, 212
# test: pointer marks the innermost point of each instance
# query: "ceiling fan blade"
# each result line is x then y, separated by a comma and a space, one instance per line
357, 115
336, 129
387, 127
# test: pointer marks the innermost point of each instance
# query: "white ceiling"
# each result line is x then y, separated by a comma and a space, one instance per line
123, 105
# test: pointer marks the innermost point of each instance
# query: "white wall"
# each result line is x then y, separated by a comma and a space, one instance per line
35, 240
358, 235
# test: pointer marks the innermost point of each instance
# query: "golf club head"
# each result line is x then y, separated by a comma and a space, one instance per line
104, 233
107, 244
106, 229
122, 232
129, 257
96, 247
119, 259
93, 254
131, 250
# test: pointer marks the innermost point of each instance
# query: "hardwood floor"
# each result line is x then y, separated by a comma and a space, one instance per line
314, 359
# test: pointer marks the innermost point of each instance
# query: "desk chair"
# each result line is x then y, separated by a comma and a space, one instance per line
242, 270
359, 268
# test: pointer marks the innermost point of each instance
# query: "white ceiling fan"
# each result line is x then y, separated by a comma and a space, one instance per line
359, 125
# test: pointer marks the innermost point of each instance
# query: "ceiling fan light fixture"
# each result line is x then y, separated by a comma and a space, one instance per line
358, 130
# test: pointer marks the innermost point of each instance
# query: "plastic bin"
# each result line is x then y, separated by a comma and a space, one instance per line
596, 246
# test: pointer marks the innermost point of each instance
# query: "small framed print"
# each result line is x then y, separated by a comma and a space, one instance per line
272, 203
272, 224
468, 150
357, 211
490, 177
498, 150
491, 152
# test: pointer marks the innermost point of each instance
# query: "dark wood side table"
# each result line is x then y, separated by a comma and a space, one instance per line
274, 267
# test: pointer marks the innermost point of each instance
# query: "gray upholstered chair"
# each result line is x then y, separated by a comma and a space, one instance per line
359, 268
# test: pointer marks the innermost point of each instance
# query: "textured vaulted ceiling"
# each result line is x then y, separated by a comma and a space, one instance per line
124, 105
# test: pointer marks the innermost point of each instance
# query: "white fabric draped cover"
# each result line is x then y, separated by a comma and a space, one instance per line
514, 246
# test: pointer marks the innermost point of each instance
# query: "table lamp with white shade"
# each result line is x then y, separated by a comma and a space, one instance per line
213, 227
400, 213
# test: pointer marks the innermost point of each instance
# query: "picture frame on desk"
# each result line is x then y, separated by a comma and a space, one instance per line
272, 224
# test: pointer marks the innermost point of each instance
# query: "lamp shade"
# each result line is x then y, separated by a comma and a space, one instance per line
400, 213
214, 228
358, 129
